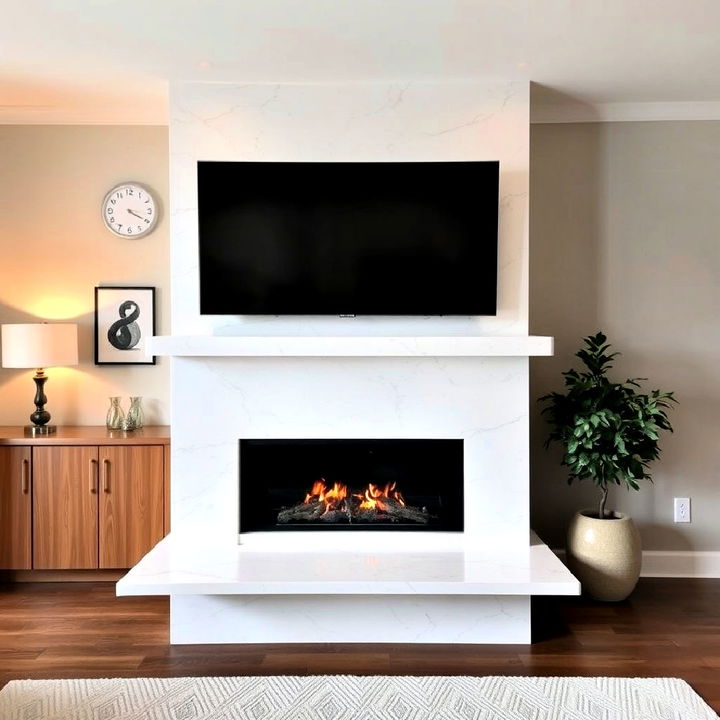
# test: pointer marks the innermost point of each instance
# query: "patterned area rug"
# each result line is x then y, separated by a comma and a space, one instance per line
353, 698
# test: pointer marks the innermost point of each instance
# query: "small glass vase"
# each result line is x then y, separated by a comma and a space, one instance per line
115, 415
136, 415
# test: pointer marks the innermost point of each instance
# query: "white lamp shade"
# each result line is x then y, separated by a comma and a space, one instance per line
39, 345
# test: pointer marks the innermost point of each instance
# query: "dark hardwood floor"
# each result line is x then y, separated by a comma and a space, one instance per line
668, 628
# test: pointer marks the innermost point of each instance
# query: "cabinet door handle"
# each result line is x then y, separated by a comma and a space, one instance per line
93, 475
25, 477
106, 475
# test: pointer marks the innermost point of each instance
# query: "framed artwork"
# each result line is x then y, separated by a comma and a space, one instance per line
124, 320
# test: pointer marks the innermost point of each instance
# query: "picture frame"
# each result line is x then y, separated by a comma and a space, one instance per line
124, 320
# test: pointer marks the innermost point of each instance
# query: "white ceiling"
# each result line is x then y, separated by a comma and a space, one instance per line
110, 60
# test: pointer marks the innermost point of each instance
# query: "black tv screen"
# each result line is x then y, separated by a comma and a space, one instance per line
405, 238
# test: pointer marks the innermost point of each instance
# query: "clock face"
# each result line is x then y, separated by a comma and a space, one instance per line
129, 210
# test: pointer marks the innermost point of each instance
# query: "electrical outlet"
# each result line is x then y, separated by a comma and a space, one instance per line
682, 510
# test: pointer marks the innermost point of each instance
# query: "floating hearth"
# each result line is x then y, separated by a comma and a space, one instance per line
338, 504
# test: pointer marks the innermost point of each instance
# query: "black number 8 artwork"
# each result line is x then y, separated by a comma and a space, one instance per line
124, 334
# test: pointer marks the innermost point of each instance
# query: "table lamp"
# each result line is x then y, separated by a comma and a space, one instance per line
39, 346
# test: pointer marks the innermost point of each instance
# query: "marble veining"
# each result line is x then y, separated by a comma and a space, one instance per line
362, 122
349, 619
480, 400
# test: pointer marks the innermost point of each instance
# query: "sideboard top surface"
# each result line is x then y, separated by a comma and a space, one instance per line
87, 435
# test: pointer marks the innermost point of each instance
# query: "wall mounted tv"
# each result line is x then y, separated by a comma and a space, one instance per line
366, 238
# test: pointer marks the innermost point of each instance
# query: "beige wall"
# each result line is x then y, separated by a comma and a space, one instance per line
54, 250
624, 237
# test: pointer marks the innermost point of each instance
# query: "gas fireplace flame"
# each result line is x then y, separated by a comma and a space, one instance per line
317, 493
337, 504
332, 498
372, 498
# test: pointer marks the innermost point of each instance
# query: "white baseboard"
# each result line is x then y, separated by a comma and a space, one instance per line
676, 563
680, 564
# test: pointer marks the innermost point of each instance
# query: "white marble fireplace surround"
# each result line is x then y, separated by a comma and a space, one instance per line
440, 587
253, 378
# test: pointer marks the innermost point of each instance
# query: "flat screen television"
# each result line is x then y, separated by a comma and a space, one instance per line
365, 238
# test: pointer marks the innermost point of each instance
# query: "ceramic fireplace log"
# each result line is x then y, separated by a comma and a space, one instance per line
317, 512
395, 512
310, 512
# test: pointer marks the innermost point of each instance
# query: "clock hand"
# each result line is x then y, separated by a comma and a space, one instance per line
132, 212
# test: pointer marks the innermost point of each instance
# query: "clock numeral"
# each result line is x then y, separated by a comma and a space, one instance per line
129, 191
119, 195
149, 211
110, 211
119, 226
139, 194
140, 228
113, 200
147, 200
129, 230
146, 220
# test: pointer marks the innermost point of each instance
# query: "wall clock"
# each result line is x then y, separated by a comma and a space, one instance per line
130, 210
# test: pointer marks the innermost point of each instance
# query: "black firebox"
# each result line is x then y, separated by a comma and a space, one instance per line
414, 485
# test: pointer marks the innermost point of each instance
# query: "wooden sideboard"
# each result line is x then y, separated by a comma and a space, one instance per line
85, 498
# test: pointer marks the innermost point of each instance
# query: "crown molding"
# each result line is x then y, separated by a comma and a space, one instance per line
540, 113
148, 114
623, 112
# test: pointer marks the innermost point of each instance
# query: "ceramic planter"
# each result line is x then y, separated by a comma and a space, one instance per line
605, 555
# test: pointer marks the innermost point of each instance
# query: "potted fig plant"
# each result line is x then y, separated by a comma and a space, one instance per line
609, 433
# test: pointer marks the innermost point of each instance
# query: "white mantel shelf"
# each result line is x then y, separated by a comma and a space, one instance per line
350, 346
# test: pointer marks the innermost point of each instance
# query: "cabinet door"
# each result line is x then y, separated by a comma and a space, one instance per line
131, 503
15, 509
65, 508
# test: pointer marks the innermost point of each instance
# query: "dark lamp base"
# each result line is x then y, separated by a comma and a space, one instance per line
35, 430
